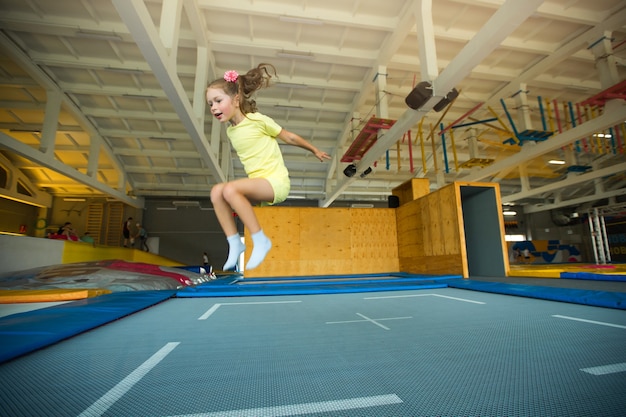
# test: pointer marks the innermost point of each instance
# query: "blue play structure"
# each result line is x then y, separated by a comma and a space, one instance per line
527, 135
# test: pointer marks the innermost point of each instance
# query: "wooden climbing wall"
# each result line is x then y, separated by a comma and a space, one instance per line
427, 235
411, 190
326, 241
430, 234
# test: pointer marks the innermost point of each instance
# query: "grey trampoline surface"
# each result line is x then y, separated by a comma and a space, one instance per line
440, 352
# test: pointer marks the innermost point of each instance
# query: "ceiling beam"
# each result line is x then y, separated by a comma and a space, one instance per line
501, 24
575, 201
563, 52
49, 84
390, 46
49, 161
613, 115
139, 22
568, 182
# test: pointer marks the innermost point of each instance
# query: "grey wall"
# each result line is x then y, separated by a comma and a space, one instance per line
483, 237
186, 232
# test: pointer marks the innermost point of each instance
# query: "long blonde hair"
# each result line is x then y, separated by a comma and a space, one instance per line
245, 85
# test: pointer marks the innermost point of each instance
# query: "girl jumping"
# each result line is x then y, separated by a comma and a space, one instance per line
253, 136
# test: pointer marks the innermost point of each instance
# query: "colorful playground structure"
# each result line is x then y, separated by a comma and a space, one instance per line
556, 117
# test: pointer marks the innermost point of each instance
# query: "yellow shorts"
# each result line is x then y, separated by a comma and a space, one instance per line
281, 187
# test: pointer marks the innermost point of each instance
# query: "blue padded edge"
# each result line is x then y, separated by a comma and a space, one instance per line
334, 284
26, 332
277, 289
593, 276
339, 276
587, 297
321, 283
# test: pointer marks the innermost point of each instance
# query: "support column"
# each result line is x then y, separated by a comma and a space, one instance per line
94, 155
169, 28
200, 83
216, 134
523, 177
523, 109
426, 40
472, 143
382, 104
606, 64
50, 122
605, 60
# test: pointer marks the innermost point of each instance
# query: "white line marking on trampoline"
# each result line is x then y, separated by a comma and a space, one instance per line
210, 311
366, 319
372, 321
214, 308
425, 295
606, 369
619, 326
107, 400
306, 408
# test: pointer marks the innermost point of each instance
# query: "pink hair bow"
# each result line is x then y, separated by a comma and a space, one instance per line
231, 76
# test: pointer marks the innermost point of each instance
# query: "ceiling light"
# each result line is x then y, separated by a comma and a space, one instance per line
287, 107
74, 199
125, 70
307, 56
556, 162
302, 20
160, 138
603, 135
291, 85
139, 96
577, 87
25, 130
186, 203
509, 213
104, 36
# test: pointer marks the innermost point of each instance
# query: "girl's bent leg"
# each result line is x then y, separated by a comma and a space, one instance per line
223, 211
224, 214
238, 195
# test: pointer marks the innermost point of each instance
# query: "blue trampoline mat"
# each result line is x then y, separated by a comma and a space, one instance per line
569, 295
26, 332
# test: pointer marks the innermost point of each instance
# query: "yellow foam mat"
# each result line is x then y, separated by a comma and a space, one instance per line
51, 295
554, 271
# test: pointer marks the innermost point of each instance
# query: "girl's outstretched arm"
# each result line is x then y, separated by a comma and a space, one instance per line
296, 140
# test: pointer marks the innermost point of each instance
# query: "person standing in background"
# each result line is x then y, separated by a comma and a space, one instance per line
126, 232
142, 235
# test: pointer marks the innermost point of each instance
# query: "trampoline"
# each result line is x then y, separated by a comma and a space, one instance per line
394, 352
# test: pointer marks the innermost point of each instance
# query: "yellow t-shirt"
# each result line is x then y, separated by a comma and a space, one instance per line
254, 140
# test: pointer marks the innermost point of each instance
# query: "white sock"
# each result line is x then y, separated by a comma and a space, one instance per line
235, 248
262, 245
